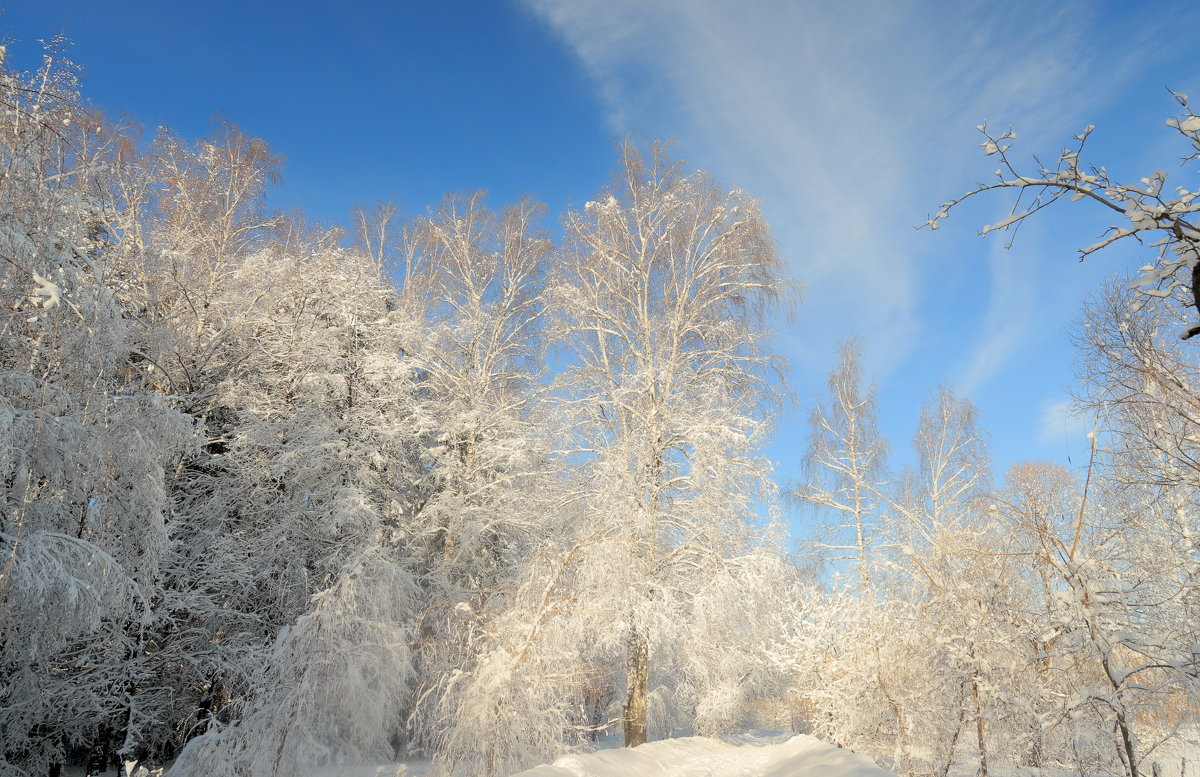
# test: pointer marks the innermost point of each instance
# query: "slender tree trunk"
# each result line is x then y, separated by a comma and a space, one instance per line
901, 728
1037, 735
979, 732
944, 769
1129, 754
637, 672
1115, 679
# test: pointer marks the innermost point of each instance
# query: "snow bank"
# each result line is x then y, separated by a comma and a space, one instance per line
745, 755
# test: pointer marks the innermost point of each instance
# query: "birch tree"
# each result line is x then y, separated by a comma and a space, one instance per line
938, 531
482, 510
666, 283
483, 271
844, 467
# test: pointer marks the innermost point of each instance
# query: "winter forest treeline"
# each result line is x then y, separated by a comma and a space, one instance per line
277, 496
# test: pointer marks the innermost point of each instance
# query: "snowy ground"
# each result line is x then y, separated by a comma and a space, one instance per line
742, 755
747, 755
754, 754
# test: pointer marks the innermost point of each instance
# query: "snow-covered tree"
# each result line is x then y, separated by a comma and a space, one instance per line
481, 273
85, 452
1148, 211
306, 514
845, 468
483, 509
665, 281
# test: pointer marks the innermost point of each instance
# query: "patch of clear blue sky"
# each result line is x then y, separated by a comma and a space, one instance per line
366, 100
850, 122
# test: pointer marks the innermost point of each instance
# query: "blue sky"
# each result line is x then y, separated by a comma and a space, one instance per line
850, 120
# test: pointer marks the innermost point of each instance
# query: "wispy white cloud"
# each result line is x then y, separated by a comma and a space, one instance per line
1011, 319
851, 121
760, 96
1060, 423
